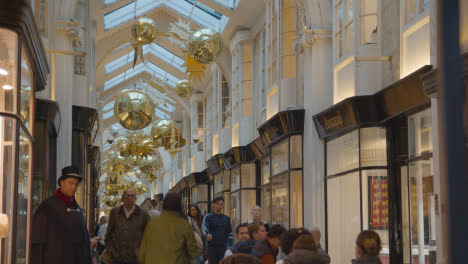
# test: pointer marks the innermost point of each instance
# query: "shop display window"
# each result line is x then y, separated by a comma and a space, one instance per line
195, 195
218, 183
235, 209
280, 200
420, 133
16, 123
280, 157
296, 152
248, 175
266, 202
227, 204
235, 179
357, 190
296, 199
203, 193
227, 180
265, 170
248, 201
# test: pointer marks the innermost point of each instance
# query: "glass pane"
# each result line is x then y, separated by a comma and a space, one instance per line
369, 29
343, 153
405, 227
235, 209
7, 170
280, 200
410, 10
422, 211
227, 204
266, 170
227, 180
344, 217
266, 203
375, 207
296, 152
420, 133
348, 38
8, 70
26, 88
249, 200
296, 199
373, 146
235, 179
195, 195
248, 175
279, 157
203, 193
203, 207
218, 183
24, 171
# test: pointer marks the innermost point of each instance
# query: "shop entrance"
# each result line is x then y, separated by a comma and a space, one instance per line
411, 189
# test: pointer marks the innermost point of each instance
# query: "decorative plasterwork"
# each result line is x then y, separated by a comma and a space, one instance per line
73, 29
309, 35
240, 37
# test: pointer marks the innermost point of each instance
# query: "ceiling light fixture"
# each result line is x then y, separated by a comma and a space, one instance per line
7, 87
3, 72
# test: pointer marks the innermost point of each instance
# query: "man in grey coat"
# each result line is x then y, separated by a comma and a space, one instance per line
315, 231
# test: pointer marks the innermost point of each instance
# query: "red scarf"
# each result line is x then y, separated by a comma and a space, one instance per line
61, 196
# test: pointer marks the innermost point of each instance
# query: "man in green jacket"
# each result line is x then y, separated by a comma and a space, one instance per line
169, 239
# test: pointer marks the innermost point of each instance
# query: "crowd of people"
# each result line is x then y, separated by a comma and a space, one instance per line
132, 234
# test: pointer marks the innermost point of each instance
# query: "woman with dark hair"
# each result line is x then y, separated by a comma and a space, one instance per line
368, 247
195, 219
240, 259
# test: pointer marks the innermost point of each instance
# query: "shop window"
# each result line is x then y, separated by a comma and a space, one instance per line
280, 200
357, 191
235, 209
288, 32
420, 133
260, 67
296, 199
265, 170
218, 183
344, 27
248, 175
24, 171
266, 202
243, 192
235, 179
414, 8
296, 152
227, 180
280, 157
368, 17
225, 102
248, 202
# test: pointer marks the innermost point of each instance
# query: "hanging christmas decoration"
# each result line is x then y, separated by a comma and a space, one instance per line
159, 129
144, 31
184, 88
205, 45
134, 109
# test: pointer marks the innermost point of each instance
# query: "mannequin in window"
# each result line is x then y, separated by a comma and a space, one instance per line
257, 217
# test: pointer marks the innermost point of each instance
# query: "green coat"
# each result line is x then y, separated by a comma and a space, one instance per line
168, 239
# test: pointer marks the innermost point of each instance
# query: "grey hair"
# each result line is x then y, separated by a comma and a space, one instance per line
125, 191
316, 230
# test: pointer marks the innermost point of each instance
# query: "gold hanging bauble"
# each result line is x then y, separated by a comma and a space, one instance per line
205, 45
144, 31
134, 109
184, 88
159, 130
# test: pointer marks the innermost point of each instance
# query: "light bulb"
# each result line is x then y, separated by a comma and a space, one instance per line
7, 87
3, 72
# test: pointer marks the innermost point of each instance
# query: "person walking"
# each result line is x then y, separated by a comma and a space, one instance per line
218, 232
169, 238
267, 250
315, 232
195, 218
242, 235
368, 247
125, 230
257, 217
257, 232
304, 252
287, 241
102, 234
59, 233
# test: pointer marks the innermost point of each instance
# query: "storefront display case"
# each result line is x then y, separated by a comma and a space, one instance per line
243, 183
281, 170
23, 71
379, 172
221, 180
200, 191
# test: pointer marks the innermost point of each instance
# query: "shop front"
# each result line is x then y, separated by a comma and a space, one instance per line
200, 191
379, 172
221, 181
182, 188
281, 169
23, 71
243, 183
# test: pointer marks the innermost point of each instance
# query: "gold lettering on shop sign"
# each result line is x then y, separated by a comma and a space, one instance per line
334, 122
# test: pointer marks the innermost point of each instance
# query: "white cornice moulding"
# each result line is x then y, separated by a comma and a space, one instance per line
308, 37
240, 37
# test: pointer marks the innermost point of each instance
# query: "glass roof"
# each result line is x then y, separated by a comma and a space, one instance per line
201, 14
227, 3
110, 2
108, 114
152, 48
148, 67
108, 106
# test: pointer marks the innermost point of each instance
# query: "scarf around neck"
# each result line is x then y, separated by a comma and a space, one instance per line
62, 197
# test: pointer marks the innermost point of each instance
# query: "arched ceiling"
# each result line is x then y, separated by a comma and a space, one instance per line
163, 65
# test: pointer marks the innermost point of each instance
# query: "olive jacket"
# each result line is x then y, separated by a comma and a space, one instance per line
123, 236
168, 239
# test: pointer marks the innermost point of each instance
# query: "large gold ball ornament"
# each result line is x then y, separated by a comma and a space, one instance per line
160, 129
134, 109
205, 45
184, 88
144, 31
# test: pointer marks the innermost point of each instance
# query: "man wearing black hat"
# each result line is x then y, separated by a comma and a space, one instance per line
59, 233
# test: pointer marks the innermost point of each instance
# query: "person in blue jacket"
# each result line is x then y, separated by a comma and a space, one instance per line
218, 232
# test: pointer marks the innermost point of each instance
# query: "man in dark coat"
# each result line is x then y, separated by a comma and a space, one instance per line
59, 233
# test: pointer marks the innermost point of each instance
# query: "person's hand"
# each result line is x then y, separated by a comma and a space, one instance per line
209, 237
94, 242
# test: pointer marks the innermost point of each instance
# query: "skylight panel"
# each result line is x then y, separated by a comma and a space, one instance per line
228, 3
124, 76
162, 74
110, 2
108, 115
120, 62
161, 114
119, 16
108, 106
206, 9
121, 47
168, 108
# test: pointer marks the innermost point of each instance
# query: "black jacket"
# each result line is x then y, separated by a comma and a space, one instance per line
245, 247
367, 260
59, 234
219, 226
263, 247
